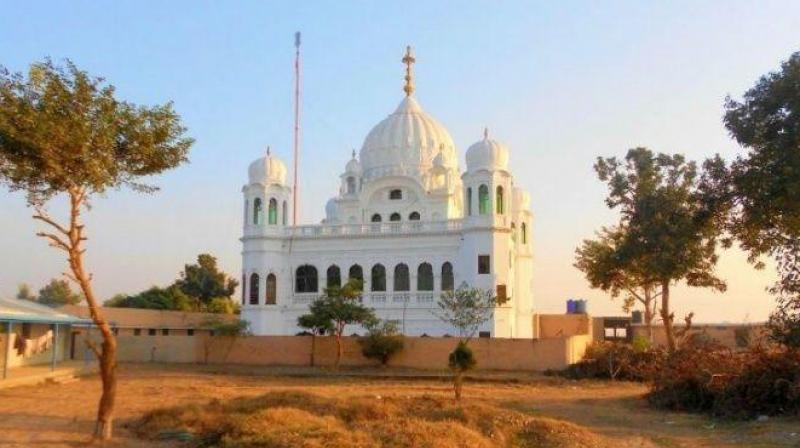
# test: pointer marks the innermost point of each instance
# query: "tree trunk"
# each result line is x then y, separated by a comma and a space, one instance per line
338, 350
313, 345
667, 317
648, 313
107, 355
458, 381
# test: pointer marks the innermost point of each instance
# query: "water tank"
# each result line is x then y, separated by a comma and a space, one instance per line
636, 317
570, 306
580, 306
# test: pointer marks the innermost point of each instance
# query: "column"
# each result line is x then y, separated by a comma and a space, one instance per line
8, 349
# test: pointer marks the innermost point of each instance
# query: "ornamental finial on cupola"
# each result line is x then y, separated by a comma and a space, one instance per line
268, 151
486, 133
409, 60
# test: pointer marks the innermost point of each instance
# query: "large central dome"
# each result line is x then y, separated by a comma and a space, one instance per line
405, 143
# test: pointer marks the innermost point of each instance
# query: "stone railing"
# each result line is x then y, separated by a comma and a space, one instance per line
378, 228
380, 299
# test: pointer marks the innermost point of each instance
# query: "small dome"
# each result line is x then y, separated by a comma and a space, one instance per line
438, 161
487, 154
330, 210
267, 170
353, 166
522, 199
406, 143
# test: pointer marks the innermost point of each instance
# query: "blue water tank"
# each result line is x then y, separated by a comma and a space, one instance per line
571, 306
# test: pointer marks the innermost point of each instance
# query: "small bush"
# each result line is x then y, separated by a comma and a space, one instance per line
462, 359
615, 361
737, 385
381, 342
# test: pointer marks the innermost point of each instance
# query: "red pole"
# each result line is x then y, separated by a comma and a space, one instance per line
296, 123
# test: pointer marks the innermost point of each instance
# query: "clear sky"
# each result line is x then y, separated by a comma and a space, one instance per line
559, 82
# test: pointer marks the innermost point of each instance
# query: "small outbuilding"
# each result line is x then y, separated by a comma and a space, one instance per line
34, 335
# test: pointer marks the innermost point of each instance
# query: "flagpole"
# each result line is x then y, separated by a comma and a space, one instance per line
296, 124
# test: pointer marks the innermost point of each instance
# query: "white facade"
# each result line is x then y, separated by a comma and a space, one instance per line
406, 220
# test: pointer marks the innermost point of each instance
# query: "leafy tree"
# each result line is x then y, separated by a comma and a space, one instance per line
223, 331
155, 298
205, 281
24, 292
460, 361
221, 305
669, 233
337, 308
382, 341
465, 309
764, 185
63, 132
57, 293
604, 268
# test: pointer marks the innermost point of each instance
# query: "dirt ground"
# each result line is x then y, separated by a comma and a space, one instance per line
62, 414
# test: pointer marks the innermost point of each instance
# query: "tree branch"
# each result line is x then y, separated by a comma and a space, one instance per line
42, 215
55, 241
93, 347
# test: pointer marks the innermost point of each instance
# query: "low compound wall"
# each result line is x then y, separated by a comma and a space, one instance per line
418, 352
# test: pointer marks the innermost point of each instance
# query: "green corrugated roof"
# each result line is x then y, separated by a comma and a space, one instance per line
16, 310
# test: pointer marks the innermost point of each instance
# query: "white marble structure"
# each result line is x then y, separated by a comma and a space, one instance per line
406, 220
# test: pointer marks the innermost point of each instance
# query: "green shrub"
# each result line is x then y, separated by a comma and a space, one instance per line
462, 359
381, 342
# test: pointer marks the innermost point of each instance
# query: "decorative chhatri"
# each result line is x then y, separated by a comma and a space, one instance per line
409, 60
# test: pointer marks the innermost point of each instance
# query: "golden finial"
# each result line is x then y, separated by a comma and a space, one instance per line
408, 59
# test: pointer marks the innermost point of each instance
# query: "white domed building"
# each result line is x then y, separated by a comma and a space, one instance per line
406, 220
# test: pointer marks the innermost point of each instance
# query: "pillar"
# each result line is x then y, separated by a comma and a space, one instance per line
8, 349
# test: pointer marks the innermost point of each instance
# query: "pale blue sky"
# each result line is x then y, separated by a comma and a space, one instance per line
559, 82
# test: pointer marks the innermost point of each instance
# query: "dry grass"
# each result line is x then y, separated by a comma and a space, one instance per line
301, 419
63, 415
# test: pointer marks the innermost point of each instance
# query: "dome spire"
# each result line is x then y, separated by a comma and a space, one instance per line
486, 133
268, 151
409, 60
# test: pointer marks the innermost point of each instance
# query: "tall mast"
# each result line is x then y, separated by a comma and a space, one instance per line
296, 123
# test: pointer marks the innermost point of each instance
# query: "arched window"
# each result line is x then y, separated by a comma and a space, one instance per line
244, 287
499, 200
394, 217
401, 281
351, 185
376, 218
272, 289
273, 211
246, 211
254, 281
306, 279
356, 273
469, 201
425, 277
285, 213
334, 277
484, 207
513, 232
396, 194
447, 277
524, 230
414, 216
378, 278
258, 212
